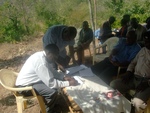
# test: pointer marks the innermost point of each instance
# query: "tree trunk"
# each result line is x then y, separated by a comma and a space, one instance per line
93, 24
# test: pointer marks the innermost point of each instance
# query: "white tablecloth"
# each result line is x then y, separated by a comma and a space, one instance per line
91, 97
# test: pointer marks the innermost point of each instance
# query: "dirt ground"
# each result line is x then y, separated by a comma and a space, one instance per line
13, 56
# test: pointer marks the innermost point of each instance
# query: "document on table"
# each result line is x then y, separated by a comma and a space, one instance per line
86, 72
77, 78
75, 69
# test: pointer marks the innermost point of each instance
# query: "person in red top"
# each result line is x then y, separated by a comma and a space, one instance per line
123, 31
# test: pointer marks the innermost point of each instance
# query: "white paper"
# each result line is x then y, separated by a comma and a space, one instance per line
86, 72
78, 79
75, 69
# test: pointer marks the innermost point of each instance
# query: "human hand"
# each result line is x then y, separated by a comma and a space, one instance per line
126, 77
142, 86
67, 78
61, 68
72, 82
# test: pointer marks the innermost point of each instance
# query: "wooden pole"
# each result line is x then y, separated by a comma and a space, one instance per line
93, 25
95, 13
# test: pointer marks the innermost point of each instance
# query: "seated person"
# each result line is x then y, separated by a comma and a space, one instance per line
121, 55
85, 38
106, 31
139, 29
137, 77
38, 73
127, 18
123, 31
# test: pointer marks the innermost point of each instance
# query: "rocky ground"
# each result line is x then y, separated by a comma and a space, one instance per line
13, 56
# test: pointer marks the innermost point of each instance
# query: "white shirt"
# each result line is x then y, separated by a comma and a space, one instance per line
141, 63
37, 69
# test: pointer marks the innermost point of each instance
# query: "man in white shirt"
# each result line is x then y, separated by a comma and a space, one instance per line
39, 73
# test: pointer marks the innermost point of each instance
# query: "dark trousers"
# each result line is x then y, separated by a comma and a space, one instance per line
49, 95
80, 53
105, 70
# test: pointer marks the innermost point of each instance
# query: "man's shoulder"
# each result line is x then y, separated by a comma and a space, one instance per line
37, 54
91, 29
106, 23
38, 58
144, 49
56, 27
141, 27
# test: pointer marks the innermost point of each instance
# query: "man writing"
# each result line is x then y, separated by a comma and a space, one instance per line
39, 73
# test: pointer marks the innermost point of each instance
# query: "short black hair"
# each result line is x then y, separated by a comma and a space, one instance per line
72, 31
112, 19
124, 21
52, 48
134, 20
126, 17
85, 22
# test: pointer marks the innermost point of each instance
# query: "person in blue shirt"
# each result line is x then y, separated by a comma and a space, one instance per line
121, 55
97, 33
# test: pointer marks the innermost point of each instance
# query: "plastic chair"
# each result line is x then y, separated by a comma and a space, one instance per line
109, 43
8, 79
83, 53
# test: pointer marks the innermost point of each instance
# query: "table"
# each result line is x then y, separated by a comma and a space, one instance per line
91, 97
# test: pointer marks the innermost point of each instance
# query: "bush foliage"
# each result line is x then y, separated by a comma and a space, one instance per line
23, 18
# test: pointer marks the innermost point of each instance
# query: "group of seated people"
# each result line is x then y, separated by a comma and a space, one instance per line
40, 69
133, 52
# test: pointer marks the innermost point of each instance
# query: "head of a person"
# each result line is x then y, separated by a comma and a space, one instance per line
69, 33
148, 24
112, 19
123, 22
148, 18
126, 17
147, 39
52, 52
134, 22
85, 25
131, 37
